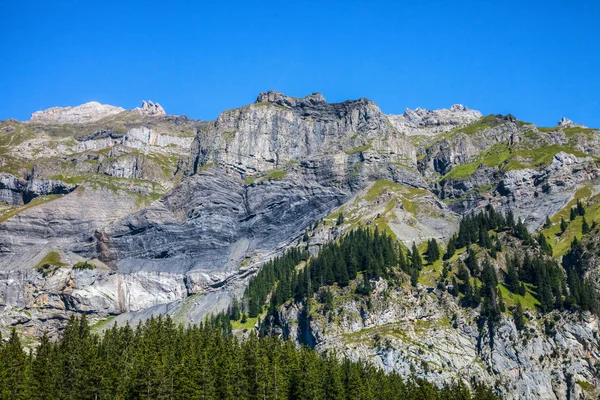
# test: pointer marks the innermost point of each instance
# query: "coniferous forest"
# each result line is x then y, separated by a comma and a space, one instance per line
160, 360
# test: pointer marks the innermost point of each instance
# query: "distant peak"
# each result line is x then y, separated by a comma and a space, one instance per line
567, 123
150, 108
280, 98
88, 112
421, 121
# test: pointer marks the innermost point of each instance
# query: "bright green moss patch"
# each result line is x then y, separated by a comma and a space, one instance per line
496, 155
529, 302
382, 185
571, 132
98, 326
530, 135
276, 174
547, 130
52, 258
358, 149
250, 180
83, 265
462, 171
50, 263
480, 125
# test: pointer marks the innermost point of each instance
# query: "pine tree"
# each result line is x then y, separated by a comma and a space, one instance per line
544, 245
433, 251
580, 208
518, 316
417, 262
548, 223
563, 225
585, 228
450, 249
340, 219
573, 213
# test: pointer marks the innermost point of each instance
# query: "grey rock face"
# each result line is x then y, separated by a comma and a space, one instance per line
281, 130
432, 122
88, 112
411, 331
17, 192
149, 108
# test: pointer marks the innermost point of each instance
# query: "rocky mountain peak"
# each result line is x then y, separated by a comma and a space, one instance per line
87, 112
567, 123
281, 99
421, 121
150, 108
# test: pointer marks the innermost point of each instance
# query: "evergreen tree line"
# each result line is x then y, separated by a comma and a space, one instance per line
474, 229
361, 251
279, 269
160, 360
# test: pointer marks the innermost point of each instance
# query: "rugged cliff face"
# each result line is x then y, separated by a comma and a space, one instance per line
126, 214
423, 331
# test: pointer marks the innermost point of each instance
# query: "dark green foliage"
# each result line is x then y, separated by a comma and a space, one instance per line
585, 228
433, 251
544, 245
279, 269
563, 225
340, 219
361, 251
573, 213
234, 311
581, 291
159, 360
580, 210
475, 229
518, 316
417, 262
548, 223
450, 249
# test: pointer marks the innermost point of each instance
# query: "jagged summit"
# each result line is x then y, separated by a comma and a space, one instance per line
87, 112
150, 108
421, 121
91, 112
280, 98
567, 123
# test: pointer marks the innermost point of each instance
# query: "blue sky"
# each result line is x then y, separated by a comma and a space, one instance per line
539, 60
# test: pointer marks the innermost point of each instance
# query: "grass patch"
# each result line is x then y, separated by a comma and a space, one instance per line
528, 301
358, 149
547, 130
574, 131
276, 174
11, 212
462, 171
103, 323
50, 263
382, 185
480, 125
83, 265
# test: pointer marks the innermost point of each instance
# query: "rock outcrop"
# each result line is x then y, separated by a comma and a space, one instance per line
431, 122
88, 112
424, 332
150, 108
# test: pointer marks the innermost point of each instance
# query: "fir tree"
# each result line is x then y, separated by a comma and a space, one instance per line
518, 316
417, 262
563, 225
580, 208
585, 228
573, 213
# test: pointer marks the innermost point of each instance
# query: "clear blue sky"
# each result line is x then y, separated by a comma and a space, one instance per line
539, 60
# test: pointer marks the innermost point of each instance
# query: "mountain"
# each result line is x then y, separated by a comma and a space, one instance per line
124, 214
